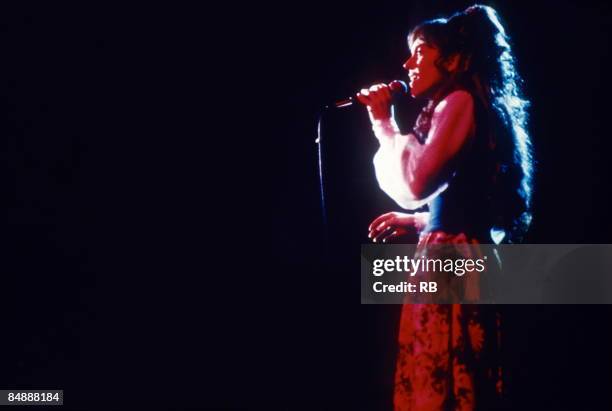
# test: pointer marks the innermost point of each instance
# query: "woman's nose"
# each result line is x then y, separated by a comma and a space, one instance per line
408, 64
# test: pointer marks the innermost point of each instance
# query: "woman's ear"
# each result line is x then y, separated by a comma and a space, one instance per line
451, 64
457, 63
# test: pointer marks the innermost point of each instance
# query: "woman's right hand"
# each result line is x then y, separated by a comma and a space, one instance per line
378, 100
394, 226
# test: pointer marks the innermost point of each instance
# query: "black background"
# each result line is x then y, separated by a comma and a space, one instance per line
161, 234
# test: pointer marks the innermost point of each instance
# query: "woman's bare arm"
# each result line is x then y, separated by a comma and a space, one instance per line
452, 127
412, 173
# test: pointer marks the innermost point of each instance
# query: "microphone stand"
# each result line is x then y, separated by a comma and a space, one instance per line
319, 143
396, 87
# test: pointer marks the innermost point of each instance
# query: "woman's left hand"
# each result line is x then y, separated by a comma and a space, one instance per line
393, 226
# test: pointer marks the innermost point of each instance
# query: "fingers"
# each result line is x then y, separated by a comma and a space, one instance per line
381, 90
391, 225
383, 230
363, 97
389, 234
378, 236
393, 234
380, 219
381, 227
378, 94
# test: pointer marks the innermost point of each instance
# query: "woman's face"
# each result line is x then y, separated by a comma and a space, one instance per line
422, 71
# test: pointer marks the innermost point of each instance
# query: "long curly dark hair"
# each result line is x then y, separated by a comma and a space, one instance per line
487, 70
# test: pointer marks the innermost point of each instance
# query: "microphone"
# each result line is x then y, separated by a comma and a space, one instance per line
396, 87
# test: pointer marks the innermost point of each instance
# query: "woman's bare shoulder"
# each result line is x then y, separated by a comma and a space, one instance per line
459, 100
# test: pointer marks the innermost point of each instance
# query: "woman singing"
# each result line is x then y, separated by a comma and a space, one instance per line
468, 159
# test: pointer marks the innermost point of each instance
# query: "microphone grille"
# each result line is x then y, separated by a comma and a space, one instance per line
398, 86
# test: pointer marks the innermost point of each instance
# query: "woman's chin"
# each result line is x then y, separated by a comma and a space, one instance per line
416, 93
417, 90
423, 92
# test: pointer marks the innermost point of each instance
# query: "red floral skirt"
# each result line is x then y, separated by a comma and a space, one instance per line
448, 355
